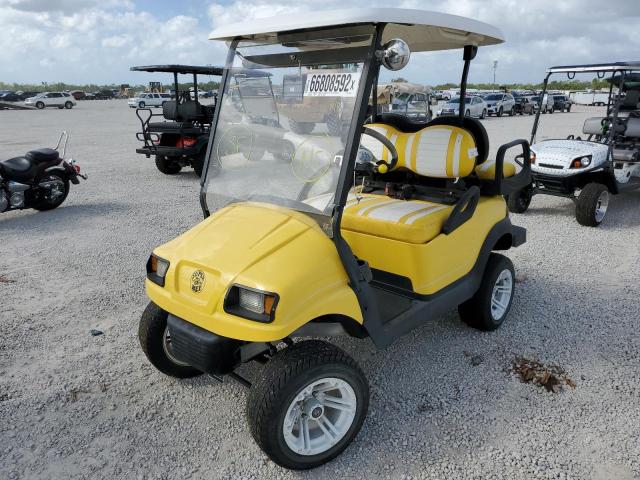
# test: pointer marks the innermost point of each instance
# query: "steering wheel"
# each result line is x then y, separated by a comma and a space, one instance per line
383, 166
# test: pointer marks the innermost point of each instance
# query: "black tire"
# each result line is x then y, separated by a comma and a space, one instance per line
335, 126
467, 113
500, 112
568, 108
60, 107
484, 113
68, 105
40, 105
477, 311
49, 204
198, 161
589, 206
551, 110
141, 104
152, 333
519, 201
282, 379
301, 128
511, 112
167, 165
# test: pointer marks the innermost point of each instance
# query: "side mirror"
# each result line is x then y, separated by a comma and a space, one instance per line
396, 54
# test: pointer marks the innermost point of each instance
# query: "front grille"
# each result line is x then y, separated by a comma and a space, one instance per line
548, 165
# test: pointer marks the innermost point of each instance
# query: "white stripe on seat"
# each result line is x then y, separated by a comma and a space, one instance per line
456, 156
431, 154
363, 211
423, 214
395, 211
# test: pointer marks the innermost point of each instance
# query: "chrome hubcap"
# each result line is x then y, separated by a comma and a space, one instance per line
319, 416
168, 351
501, 295
601, 206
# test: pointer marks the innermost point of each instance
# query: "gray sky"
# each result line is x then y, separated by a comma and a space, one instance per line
82, 41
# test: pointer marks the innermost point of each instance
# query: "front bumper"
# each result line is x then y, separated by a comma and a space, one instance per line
202, 349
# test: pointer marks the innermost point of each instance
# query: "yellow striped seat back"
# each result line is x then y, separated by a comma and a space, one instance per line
441, 151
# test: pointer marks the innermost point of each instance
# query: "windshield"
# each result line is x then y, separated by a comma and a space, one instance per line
283, 122
494, 96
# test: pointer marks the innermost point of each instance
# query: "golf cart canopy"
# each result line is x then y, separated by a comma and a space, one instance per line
181, 69
597, 67
421, 30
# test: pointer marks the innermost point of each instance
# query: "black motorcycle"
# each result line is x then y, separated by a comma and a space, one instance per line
40, 179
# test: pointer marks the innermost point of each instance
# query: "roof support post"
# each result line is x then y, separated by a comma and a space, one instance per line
468, 55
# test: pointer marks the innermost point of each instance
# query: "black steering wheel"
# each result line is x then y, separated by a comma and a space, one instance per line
381, 165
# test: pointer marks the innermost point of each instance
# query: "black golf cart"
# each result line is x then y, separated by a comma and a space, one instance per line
181, 138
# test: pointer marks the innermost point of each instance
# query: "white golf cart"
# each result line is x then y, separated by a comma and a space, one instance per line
588, 169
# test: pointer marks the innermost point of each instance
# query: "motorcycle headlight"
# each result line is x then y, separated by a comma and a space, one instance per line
157, 269
251, 303
581, 162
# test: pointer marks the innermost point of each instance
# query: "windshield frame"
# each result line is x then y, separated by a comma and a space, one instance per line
344, 183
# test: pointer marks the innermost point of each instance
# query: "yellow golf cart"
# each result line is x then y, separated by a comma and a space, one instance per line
370, 232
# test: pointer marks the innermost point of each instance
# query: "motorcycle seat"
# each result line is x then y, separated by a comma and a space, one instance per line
42, 155
15, 166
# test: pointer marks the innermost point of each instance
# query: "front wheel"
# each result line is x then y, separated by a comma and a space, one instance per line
484, 113
519, 201
40, 105
500, 112
592, 205
141, 104
155, 341
198, 161
511, 112
168, 165
467, 113
488, 308
308, 405
68, 105
568, 108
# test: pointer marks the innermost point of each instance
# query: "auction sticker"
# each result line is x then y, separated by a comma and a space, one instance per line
332, 84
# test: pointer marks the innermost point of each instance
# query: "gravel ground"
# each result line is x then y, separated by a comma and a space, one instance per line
444, 405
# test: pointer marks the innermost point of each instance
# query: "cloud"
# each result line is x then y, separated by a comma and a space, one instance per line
98, 40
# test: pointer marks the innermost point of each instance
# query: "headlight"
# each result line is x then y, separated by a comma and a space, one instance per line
251, 303
157, 269
581, 162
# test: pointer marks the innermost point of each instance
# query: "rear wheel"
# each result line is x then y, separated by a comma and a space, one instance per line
68, 105
519, 201
592, 205
155, 341
308, 405
54, 190
168, 165
568, 108
301, 128
484, 113
336, 126
511, 112
488, 308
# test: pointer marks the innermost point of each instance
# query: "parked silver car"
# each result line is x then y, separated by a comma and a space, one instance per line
500, 103
547, 102
475, 106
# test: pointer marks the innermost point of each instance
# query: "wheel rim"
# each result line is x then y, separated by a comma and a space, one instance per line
319, 416
501, 295
168, 351
601, 206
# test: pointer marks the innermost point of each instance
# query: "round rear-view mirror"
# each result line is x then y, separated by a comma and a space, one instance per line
396, 54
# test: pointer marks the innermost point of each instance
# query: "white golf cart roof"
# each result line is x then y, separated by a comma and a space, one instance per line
422, 30
597, 67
